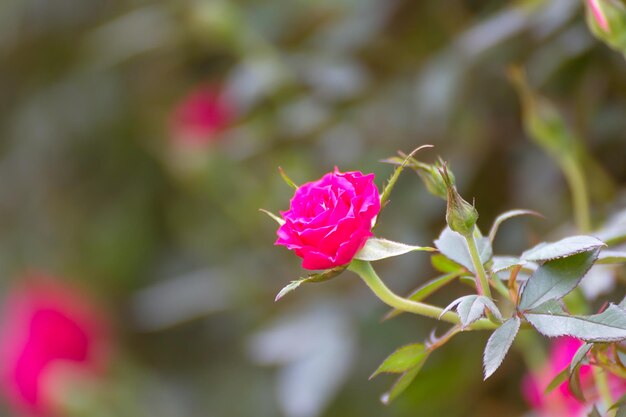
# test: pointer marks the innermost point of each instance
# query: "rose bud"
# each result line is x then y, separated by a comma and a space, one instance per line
200, 117
52, 337
607, 21
330, 220
461, 216
561, 401
598, 15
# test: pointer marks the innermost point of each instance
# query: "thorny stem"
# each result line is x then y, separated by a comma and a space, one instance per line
604, 390
440, 341
378, 287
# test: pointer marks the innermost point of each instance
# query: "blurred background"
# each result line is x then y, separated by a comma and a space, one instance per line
139, 138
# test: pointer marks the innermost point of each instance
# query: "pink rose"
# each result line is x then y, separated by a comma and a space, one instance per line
200, 117
329, 220
50, 335
561, 402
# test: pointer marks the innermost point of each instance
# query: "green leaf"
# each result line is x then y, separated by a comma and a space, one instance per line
574, 371
556, 382
376, 249
471, 308
286, 178
556, 278
574, 385
552, 321
396, 160
502, 263
621, 356
403, 359
444, 264
468, 281
620, 405
402, 383
276, 218
384, 197
499, 344
508, 215
453, 245
319, 277
563, 248
425, 290
614, 231
579, 356
611, 257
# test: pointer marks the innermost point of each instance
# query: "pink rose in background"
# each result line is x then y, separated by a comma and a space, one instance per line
329, 220
50, 334
200, 116
561, 402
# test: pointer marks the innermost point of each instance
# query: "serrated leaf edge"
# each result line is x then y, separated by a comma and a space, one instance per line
488, 372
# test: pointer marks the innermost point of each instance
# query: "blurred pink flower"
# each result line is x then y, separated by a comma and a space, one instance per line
330, 219
200, 116
561, 402
50, 334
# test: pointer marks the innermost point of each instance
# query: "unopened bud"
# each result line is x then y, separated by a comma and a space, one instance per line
597, 14
607, 21
461, 216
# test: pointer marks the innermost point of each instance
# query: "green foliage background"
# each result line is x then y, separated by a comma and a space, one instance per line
93, 190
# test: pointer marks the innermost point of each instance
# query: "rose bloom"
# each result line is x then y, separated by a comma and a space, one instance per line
561, 402
50, 335
330, 220
200, 116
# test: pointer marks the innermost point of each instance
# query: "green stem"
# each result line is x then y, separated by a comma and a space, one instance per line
378, 287
445, 338
582, 214
482, 284
500, 287
602, 384
580, 193
529, 346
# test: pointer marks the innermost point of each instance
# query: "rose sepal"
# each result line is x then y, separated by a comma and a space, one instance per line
318, 277
376, 249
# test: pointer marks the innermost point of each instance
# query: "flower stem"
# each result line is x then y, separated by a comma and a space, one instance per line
378, 287
482, 284
602, 384
580, 193
499, 286
582, 214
